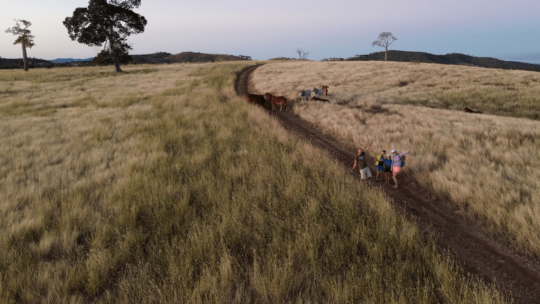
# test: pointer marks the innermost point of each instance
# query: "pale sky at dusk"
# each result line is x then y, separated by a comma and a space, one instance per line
503, 29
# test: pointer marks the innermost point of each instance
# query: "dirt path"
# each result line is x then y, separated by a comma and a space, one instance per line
476, 252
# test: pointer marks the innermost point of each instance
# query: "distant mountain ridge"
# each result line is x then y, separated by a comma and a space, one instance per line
453, 58
66, 60
163, 57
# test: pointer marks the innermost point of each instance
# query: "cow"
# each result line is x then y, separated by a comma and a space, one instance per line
305, 94
256, 99
319, 99
276, 100
318, 92
325, 89
469, 110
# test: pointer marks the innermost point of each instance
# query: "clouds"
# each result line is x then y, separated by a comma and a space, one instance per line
265, 29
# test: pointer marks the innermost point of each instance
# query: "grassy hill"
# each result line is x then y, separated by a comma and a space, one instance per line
454, 58
160, 185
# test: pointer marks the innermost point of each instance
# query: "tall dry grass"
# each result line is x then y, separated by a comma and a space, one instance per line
160, 185
493, 91
488, 165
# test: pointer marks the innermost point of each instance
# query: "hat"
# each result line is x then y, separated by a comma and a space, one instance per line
388, 155
394, 151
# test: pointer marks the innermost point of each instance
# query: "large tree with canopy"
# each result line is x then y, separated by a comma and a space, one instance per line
107, 23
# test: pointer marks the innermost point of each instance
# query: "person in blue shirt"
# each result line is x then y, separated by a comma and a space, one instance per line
388, 168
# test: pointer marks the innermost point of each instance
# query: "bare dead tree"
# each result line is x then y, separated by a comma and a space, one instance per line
26, 39
385, 40
302, 54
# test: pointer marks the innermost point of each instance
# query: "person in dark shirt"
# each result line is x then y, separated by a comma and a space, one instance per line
360, 161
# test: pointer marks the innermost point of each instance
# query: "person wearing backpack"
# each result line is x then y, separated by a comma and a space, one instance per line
398, 162
387, 168
379, 163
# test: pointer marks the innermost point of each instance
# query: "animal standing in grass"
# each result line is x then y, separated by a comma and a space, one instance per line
325, 89
318, 92
276, 101
305, 94
256, 99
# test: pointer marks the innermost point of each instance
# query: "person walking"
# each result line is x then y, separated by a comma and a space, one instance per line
379, 163
360, 161
397, 163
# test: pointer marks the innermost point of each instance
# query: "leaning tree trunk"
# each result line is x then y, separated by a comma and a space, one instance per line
25, 59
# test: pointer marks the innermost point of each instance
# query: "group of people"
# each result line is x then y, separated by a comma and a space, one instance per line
389, 165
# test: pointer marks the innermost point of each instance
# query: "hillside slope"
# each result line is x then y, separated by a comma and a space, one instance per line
454, 58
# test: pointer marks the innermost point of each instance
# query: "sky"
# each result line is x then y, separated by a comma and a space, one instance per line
264, 29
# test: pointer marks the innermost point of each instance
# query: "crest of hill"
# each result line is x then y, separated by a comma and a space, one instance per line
454, 58
163, 57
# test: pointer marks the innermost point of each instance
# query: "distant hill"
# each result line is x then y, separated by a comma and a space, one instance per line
156, 58
66, 60
17, 63
454, 58
163, 57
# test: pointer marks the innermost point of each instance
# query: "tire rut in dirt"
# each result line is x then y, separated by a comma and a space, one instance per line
473, 250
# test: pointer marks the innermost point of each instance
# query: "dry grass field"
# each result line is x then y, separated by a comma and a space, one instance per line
493, 91
161, 186
486, 164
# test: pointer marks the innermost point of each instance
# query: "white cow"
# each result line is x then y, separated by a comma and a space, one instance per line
318, 92
305, 94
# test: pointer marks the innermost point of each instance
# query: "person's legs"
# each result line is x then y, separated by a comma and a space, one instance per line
395, 172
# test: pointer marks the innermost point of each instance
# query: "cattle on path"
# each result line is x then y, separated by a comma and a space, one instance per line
318, 92
305, 94
469, 110
256, 99
325, 89
319, 99
276, 101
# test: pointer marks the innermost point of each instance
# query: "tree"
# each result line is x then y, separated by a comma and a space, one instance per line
302, 55
385, 40
106, 23
105, 57
26, 39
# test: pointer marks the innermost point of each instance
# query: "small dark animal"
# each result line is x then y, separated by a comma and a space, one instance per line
325, 89
319, 99
256, 99
469, 110
276, 101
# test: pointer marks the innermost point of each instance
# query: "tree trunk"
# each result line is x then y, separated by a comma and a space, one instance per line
385, 52
25, 60
116, 60
117, 64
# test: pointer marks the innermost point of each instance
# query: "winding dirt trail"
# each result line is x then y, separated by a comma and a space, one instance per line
477, 253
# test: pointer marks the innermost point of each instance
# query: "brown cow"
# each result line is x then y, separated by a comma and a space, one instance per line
469, 110
325, 89
276, 100
256, 99
319, 99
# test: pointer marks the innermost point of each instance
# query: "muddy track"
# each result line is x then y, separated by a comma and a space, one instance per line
478, 254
